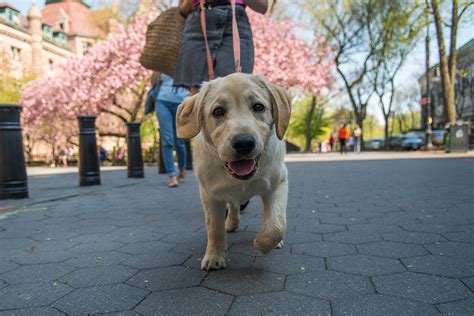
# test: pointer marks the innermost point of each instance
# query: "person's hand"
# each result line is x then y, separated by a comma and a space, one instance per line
185, 7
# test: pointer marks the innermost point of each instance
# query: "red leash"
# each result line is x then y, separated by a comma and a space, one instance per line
235, 40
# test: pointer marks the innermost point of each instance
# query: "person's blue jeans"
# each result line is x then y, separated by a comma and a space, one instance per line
166, 112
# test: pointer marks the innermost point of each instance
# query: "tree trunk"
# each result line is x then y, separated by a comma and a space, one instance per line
308, 121
448, 71
386, 130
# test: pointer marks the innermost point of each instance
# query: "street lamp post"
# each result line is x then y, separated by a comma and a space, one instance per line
429, 119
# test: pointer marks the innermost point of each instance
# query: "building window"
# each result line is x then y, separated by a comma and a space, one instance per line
12, 16
15, 54
61, 26
51, 65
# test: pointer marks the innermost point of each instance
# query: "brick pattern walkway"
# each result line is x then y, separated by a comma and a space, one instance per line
364, 238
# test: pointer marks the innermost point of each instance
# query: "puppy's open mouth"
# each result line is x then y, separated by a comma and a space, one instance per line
243, 169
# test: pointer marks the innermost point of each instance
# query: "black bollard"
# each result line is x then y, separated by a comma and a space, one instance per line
161, 162
189, 156
135, 160
13, 179
89, 167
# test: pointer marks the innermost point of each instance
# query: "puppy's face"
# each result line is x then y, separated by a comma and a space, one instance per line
236, 115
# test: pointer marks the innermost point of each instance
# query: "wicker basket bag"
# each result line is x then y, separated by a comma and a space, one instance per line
163, 41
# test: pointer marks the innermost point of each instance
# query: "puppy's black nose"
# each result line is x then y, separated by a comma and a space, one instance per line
243, 144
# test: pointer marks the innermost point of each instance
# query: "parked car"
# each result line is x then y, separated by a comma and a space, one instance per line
410, 142
375, 143
394, 142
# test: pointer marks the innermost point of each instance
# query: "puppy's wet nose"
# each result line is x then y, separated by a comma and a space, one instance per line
243, 144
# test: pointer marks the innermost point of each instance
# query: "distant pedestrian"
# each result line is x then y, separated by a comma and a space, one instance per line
167, 99
331, 141
63, 157
343, 135
357, 138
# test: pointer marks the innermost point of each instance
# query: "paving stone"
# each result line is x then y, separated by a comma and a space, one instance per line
469, 282
37, 273
98, 246
52, 235
377, 304
244, 281
452, 249
152, 260
167, 278
32, 294
429, 228
324, 249
94, 259
36, 311
97, 276
6, 266
136, 234
441, 265
288, 263
413, 237
343, 220
315, 227
374, 228
365, 265
296, 237
352, 237
157, 247
421, 287
190, 301
54, 245
279, 303
36, 257
3, 284
391, 249
463, 307
100, 299
16, 243
233, 261
460, 236
329, 285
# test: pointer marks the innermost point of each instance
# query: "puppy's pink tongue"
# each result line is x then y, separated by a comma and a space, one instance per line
242, 167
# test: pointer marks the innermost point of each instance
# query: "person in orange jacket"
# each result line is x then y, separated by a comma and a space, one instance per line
344, 134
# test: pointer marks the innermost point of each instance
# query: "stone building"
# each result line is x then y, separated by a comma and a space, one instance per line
45, 38
464, 89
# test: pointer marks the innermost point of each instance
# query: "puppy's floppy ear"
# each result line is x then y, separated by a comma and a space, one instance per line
188, 117
281, 106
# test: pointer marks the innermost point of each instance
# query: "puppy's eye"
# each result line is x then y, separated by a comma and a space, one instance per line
258, 107
218, 112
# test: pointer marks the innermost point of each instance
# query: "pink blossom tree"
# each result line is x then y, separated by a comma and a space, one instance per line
108, 81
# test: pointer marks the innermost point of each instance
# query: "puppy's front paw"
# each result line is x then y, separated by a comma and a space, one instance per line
268, 239
213, 262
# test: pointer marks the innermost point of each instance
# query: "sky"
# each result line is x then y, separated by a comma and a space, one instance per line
414, 66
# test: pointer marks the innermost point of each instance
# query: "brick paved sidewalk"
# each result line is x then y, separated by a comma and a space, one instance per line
364, 237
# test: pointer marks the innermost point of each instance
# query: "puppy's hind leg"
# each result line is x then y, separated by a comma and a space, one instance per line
233, 218
274, 219
216, 235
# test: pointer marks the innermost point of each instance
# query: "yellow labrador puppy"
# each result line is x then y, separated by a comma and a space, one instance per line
239, 121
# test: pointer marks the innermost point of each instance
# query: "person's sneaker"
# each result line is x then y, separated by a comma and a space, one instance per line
173, 183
